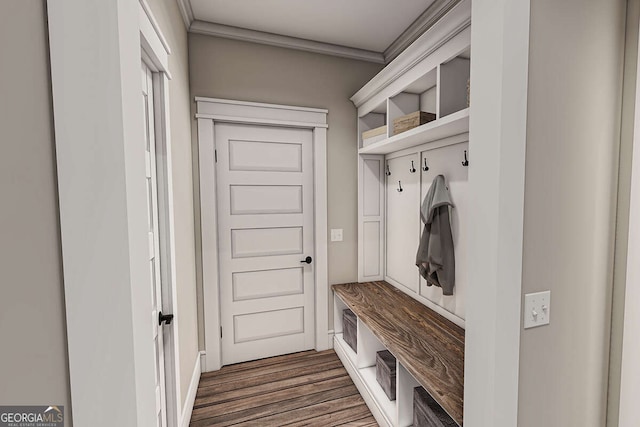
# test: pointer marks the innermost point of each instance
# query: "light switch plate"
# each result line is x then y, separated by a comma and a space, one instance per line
336, 234
537, 309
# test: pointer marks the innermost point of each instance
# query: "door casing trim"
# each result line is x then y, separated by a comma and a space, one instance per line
212, 111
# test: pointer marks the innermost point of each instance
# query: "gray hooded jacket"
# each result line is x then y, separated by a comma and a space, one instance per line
435, 258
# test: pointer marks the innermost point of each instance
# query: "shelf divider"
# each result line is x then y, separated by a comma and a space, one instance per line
405, 383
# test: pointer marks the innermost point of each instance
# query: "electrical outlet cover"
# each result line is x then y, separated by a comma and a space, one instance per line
537, 309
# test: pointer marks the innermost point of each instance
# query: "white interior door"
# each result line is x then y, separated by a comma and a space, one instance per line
154, 244
265, 229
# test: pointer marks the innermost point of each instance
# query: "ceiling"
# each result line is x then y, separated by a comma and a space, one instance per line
367, 30
371, 25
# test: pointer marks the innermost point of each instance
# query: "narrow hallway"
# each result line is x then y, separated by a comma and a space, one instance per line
308, 388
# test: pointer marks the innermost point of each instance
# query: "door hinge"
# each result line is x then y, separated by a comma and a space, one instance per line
220, 331
215, 153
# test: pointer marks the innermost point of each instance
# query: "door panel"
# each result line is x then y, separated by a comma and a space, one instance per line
154, 243
267, 283
252, 242
403, 220
266, 199
264, 156
265, 229
268, 324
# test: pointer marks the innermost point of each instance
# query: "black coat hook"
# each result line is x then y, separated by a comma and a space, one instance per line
399, 189
466, 162
425, 167
413, 168
388, 172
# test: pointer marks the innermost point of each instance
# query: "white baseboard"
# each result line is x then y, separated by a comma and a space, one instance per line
331, 334
203, 361
191, 395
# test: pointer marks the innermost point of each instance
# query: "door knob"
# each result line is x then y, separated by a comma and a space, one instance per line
166, 318
308, 260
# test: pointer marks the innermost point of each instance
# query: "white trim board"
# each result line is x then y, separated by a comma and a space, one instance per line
211, 111
426, 20
190, 400
259, 104
497, 139
629, 411
186, 11
156, 27
243, 34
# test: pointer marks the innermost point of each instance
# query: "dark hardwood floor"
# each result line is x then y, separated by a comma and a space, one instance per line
302, 389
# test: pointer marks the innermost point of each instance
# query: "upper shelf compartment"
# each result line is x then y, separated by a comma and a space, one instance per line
453, 124
431, 76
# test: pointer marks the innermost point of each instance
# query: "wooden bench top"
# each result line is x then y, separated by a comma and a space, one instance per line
429, 346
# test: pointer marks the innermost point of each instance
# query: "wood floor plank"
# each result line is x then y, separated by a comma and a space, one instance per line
224, 377
203, 399
303, 389
278, 408
272, 397
369, 421
266, 362
342, 417
305, 413
210, 389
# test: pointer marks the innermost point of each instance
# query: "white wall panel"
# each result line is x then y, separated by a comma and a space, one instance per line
372, 234
371, 183
371, 195
448, 162
403, 221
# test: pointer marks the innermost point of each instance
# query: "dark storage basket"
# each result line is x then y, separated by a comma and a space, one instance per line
386, 373
427, 412
350, 329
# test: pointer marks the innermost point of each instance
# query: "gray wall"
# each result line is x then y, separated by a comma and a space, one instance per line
172, 26
34, 363
252, 72
573, 133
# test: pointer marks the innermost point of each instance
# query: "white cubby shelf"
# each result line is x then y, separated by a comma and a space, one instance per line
454, 124
422, 328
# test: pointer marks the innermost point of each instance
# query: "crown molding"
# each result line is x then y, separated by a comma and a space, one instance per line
236, 33
186, 11
426, 20
423, 23
457, 20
